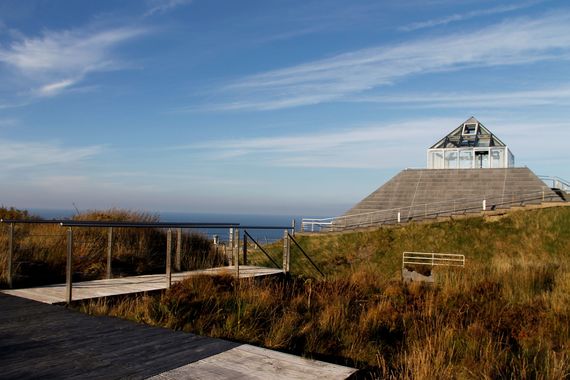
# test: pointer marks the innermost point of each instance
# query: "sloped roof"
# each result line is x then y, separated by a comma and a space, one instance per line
471, 133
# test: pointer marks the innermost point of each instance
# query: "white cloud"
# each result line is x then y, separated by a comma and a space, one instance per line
162, 6
8, 123
387, 146
18, 154
506, 99
55, 61
377, 146
515, 42
466, 16
54, 88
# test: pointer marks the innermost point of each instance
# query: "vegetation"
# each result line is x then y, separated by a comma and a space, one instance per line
505, 315
40, 256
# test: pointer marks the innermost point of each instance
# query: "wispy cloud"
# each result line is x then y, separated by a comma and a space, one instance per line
8, 123
162, 6
516, 42
379, 146
466, 16
504, 99
373, 146
58, 60
19, 154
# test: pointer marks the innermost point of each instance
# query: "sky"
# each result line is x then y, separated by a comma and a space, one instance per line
266, 107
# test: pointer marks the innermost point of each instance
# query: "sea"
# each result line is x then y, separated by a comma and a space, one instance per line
258, 220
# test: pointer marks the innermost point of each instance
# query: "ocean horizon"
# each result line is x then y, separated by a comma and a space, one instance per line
252, 220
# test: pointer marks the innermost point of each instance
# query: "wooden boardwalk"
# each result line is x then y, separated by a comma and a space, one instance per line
52, 342
55, 294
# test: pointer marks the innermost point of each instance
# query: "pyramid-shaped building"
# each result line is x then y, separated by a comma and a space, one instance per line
468, 170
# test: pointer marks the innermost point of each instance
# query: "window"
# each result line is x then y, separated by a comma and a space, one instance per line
497, 158
451, 159
436, 159
469, 129
465, 159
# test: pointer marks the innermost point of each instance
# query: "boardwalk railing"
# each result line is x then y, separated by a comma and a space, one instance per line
556, 182
432, 259
71, 225
447, 207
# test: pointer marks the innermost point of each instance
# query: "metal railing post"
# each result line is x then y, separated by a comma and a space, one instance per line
109, 253
244, 248
236, 251
69, 267
168, 258
286, 252
178, 258
230, 255
10, 256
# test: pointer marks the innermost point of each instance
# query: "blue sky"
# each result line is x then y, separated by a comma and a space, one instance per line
286, 107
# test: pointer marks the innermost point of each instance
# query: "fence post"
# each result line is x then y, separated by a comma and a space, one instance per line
10, 256
399, 217
244, 248
484, 204
69, 267
178, 258
109, 253
236, 251
286, 251
293, 227
230, 255
168, 258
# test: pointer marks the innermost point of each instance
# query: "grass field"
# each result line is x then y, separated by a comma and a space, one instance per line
505, 315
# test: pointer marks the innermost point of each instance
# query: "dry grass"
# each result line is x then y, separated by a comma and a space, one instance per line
467, 326
40, 249
506, 315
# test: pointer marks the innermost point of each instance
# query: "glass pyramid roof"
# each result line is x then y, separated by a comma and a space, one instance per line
471, 133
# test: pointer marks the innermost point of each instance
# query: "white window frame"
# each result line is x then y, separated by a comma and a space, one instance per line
463, 133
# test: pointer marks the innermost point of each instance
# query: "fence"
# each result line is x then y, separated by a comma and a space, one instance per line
432, 259
556, 182
70, 226
426, 210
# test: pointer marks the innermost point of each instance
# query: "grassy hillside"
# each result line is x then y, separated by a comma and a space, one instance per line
529, 234
506, 315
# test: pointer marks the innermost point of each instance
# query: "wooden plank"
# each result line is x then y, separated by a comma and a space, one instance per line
54, 294
250, 362
47, 341
55, 342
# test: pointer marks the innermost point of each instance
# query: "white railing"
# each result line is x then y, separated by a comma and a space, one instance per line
426, 210
432, 259
555, 182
